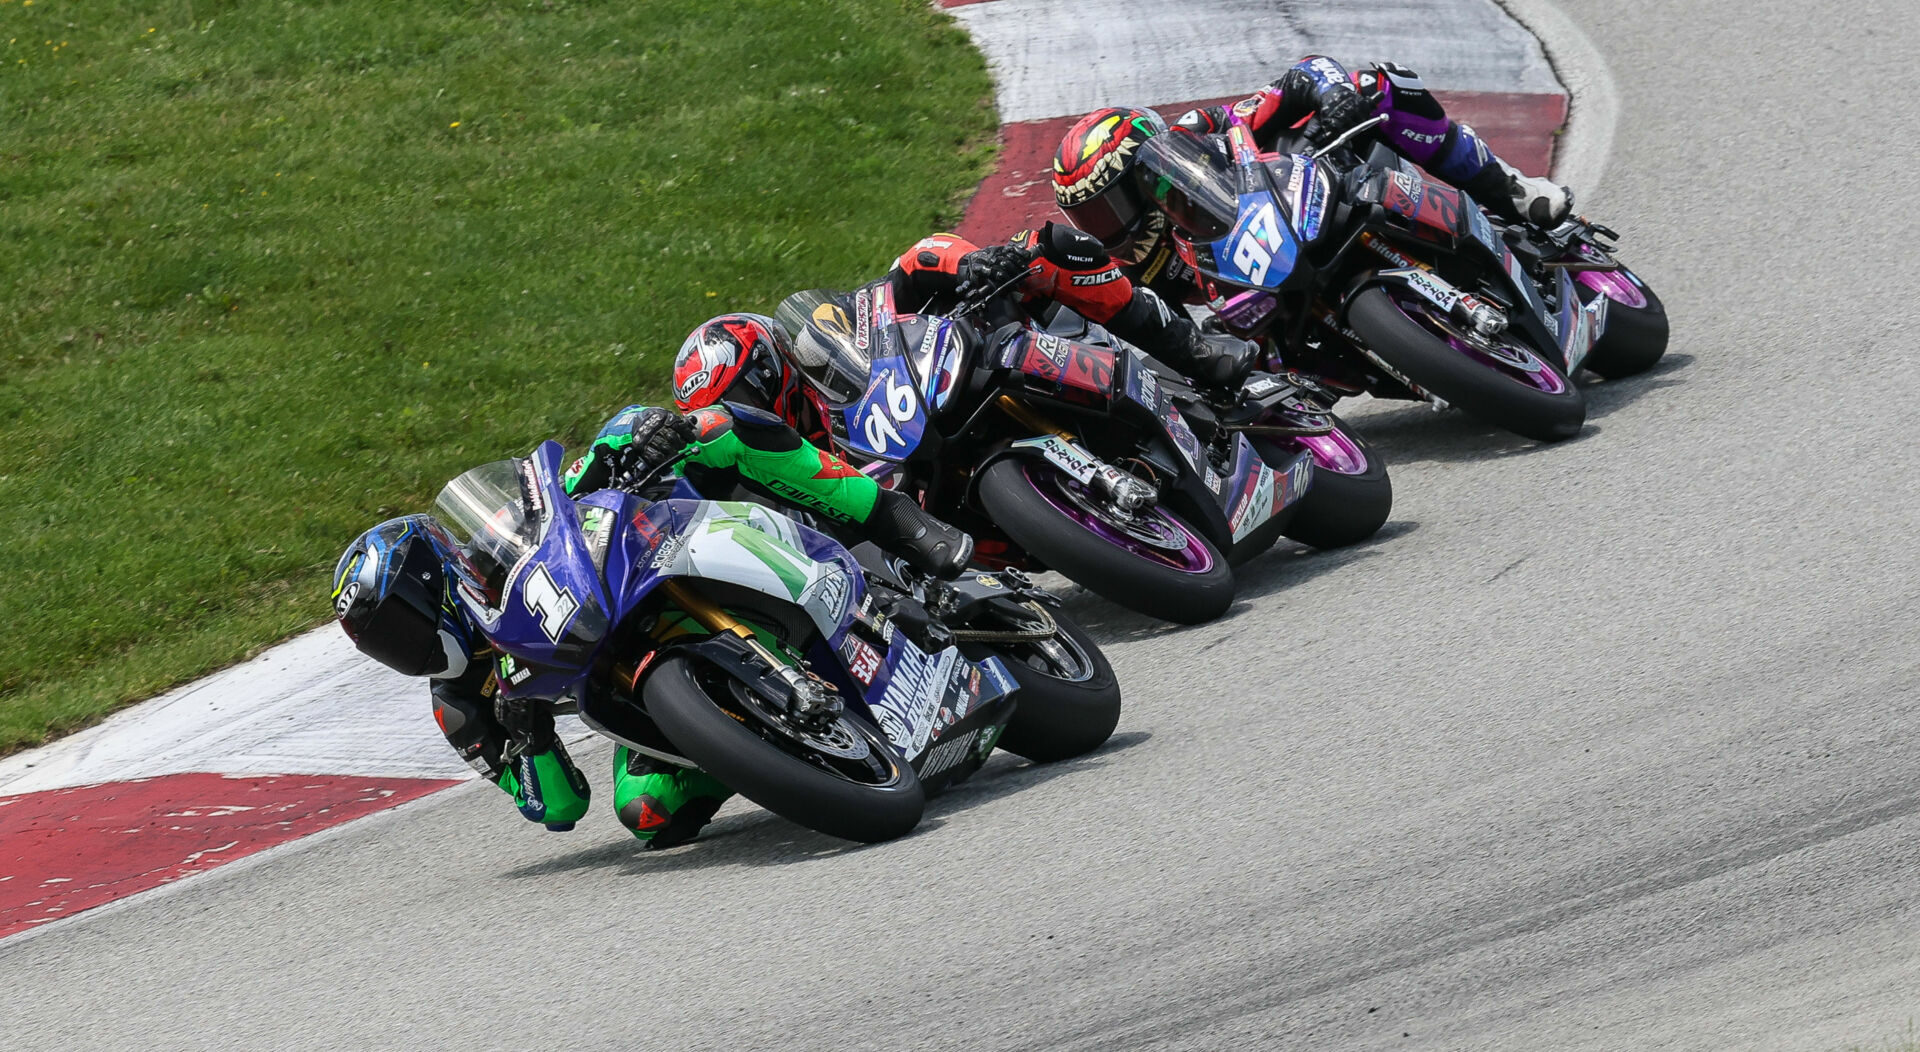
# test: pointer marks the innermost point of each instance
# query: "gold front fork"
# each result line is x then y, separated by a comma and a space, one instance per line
1026, 415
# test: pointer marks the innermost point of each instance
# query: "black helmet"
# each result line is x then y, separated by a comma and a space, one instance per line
388, 592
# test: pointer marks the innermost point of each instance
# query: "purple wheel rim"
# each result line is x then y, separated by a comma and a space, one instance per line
1195, 558
1541, 376
1335, 452
1614, 285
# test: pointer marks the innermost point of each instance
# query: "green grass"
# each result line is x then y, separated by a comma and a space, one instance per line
273, 271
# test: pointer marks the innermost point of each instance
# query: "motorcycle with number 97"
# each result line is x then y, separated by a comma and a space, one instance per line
1365, 275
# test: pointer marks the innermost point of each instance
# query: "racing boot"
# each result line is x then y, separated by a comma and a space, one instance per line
1503, 190
1215, 361
546, 786
521, 754
903, 527
662, 804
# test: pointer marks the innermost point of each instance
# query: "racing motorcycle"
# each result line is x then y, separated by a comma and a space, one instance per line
1058, 453
728, 637
1394, 284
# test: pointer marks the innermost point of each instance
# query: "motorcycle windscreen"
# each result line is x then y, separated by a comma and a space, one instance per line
820, 327
516, 526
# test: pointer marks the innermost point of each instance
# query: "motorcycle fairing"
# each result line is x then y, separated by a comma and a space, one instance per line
1062, 362
741, 543
936, 358
553, 607
1255, 491
1435, 210
917, 699
1580, 326
1143, 388
890, 419
1259, 252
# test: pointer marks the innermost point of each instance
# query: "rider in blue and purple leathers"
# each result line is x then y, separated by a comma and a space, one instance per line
1322, 99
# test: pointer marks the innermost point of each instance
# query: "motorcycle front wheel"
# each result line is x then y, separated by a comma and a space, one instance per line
844, 780
1155, 564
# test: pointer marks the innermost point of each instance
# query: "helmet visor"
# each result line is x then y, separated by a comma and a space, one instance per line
1192, 182
1112, 216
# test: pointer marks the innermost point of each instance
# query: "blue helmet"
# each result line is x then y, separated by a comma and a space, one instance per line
390, 591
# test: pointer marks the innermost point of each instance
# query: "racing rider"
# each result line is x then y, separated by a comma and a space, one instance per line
1059, 264
1090, 171
392, 589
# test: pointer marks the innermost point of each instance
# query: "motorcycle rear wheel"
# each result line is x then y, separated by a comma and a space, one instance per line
809, 793
1029, 500
1636, 335
1351, 494
1069, 699
1406, 332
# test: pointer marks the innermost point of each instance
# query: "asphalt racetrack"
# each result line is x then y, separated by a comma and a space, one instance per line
1602, 745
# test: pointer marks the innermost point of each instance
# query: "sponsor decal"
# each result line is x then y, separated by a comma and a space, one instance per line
947, 754
913, 694
1099, 277
1064, 455
668, 551
863, 662
987, 581
1054, 348
862, 315
830, 593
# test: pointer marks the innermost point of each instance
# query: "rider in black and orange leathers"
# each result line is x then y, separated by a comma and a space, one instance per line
1059, 264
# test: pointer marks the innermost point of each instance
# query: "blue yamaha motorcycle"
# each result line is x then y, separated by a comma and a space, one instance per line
728, 637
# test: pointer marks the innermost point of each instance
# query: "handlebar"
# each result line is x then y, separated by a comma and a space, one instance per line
642, 475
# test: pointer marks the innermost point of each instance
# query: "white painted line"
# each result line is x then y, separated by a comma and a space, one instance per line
1052, 58
312, 705
1593, 100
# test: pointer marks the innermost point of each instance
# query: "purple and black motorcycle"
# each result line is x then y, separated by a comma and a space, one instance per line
729, 637
1063, 454
1367, 276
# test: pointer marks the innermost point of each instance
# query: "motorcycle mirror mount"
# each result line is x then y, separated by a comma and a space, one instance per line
1346, 135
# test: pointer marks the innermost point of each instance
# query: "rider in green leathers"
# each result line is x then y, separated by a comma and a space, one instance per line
391, 592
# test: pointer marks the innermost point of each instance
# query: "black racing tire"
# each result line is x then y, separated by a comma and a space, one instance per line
1339, 508
1480, 390
1137, 582
800, 792
1057, 717
1635, 338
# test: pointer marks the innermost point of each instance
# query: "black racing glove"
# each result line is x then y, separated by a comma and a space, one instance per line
658, 437
991, 267
1339, 111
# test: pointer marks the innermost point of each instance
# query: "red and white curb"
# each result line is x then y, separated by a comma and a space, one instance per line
304, 737
310, 735
1054, 60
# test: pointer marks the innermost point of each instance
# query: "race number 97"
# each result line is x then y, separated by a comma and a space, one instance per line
1250, 252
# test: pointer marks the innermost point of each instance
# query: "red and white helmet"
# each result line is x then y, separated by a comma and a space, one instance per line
734, 358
